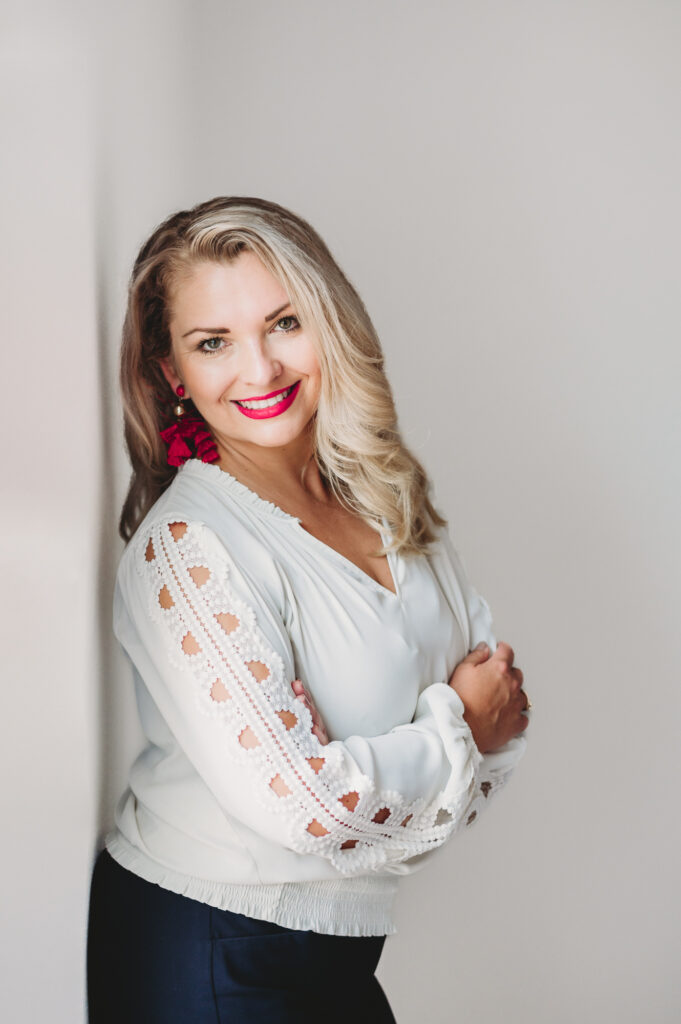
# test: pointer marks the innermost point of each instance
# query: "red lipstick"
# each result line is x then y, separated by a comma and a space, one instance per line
261, 398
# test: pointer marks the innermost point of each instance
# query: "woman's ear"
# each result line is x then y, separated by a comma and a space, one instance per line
169, 373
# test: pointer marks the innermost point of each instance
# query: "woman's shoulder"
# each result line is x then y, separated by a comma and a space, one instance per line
192, 543
179, 503
202, 494
209, 510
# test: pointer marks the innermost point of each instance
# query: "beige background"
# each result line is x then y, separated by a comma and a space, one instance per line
501, 181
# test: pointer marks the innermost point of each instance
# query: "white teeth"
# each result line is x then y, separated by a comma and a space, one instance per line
265, 403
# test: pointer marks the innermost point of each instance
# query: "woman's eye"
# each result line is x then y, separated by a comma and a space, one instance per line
210, 345
287, 323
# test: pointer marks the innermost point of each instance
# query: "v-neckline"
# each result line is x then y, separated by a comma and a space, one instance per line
269, 508
355, 569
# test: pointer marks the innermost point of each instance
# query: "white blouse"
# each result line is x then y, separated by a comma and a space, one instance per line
222, 599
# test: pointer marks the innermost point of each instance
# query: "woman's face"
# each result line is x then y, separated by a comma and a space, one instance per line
241, 354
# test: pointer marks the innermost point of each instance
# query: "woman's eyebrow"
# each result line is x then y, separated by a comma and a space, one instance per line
277, 312
225, 330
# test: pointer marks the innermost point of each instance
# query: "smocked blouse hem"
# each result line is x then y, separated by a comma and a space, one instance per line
354, 906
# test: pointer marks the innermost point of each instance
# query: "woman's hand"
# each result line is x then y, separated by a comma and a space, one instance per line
491, 691
318, 727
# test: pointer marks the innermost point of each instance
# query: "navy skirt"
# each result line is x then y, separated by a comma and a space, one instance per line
158, 958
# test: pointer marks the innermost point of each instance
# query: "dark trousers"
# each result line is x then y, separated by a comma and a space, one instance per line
158, 958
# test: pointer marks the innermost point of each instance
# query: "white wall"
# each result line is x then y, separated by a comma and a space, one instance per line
501, 183
50, 510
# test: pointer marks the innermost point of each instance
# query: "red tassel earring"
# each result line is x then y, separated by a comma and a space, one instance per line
187, 432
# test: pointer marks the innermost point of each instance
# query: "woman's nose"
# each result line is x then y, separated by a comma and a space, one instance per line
258, 365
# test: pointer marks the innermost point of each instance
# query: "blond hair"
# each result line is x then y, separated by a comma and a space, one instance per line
356, 441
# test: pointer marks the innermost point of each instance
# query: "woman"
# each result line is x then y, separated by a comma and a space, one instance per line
299, 629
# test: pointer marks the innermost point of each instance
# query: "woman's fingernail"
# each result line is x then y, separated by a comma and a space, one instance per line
482, 646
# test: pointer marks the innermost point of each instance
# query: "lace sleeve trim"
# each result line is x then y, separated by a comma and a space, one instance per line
327, 805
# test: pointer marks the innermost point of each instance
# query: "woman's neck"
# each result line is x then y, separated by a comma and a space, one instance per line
289, 474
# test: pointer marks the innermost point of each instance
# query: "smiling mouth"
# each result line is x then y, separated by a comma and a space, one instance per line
267, 400
272, 405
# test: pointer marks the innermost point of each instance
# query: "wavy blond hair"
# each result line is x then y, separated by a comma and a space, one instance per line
357, 444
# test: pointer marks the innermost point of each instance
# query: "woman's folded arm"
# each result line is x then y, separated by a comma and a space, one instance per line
476, 620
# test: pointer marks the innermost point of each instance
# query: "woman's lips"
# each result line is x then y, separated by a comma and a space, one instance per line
270, 394
275, 409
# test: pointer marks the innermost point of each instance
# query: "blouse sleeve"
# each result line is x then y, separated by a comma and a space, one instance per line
218, 664
474, 614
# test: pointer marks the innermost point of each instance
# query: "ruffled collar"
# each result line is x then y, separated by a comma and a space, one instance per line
220, 477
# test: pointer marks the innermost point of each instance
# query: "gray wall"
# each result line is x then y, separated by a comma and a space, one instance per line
500, 180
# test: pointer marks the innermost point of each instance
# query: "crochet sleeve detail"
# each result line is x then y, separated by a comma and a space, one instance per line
223, 686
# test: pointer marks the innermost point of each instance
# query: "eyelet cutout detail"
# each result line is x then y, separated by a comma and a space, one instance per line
315, 828
259, 670
200, 574
279, 786
248, 739
350, 800
219, 692
288, 718
190, 645
178, 530
228, 622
